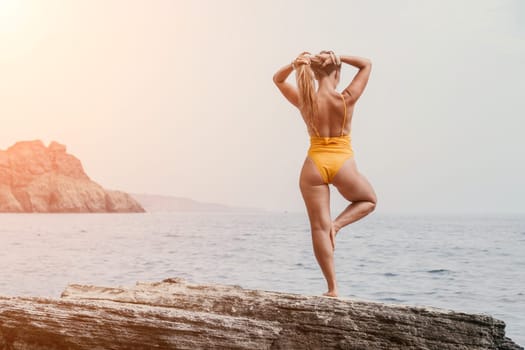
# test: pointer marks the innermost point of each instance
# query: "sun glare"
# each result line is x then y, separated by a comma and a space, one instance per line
10, 15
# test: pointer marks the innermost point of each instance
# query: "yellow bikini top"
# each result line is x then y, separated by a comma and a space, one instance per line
342, 127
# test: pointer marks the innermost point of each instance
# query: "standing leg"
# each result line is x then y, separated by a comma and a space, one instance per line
316, 195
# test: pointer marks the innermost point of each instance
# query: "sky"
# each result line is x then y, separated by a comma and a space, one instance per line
177, 98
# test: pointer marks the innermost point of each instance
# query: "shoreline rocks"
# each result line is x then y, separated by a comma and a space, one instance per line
36, 178
176, 314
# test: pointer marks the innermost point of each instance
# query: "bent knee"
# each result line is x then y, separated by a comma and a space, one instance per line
370, 204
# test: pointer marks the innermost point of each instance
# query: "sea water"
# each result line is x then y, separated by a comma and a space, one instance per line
465, 263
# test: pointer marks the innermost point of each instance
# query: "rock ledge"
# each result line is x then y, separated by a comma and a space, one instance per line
175, 314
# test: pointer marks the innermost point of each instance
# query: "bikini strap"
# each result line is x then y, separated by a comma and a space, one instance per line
344, 117
316, 131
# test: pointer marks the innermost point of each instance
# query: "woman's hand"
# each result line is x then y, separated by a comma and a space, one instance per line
328, 57
324, 59
303, 58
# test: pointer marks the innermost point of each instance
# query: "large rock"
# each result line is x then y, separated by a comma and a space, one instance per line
174, 314
36, 178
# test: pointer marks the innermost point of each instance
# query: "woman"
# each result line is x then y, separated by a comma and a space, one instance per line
330, 159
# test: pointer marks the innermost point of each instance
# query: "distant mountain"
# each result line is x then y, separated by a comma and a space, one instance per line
36, 178
162, 203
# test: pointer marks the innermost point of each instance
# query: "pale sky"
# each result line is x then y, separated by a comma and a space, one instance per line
176, 97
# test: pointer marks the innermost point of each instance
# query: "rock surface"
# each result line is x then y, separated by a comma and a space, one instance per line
175, 314
36, 178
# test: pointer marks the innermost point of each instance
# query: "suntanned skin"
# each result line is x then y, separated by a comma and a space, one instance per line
352, 185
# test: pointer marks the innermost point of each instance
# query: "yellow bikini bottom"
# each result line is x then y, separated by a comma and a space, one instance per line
329, 154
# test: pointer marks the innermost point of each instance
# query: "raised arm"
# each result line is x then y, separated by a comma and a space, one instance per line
358, 84
288, 90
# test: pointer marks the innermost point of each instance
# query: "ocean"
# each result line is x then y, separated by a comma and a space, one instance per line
471, 263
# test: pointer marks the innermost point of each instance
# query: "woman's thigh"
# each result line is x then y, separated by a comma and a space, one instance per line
316, 195
353, 185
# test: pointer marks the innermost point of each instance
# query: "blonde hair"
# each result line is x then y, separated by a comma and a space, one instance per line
307, 69
307, 97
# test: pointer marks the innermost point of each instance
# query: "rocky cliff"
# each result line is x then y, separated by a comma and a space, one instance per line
175, 314
36, 178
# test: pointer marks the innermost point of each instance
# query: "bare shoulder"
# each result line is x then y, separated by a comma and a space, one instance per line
348, 98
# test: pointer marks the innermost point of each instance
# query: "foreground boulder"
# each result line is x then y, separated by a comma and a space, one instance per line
36, 178
175, 314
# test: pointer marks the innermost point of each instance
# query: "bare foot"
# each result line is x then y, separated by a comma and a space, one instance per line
332, 294
336, 229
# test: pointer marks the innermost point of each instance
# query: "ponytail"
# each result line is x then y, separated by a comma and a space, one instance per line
307, 96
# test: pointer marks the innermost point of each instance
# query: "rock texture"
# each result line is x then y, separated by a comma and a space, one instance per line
36, 178
174, 314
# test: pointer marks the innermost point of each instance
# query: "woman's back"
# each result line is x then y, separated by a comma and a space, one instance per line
330, 117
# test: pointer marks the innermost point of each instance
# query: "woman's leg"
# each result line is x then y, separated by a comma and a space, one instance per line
316, 195
355, 188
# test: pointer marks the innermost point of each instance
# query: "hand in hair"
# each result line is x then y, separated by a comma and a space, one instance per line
303, 58
328, 57
324, 59
304, 54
